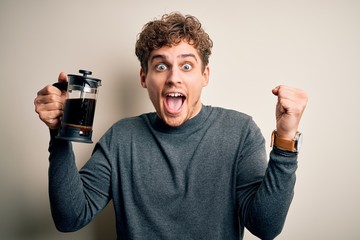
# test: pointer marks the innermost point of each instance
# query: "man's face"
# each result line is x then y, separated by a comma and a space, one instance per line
174, 82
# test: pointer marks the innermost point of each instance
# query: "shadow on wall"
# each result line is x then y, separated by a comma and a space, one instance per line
133, 98
42, 227
31, 225
104, 224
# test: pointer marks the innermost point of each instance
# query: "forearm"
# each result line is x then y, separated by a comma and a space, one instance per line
269, 207
66, 191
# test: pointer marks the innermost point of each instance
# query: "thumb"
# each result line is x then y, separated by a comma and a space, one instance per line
62, 82
62, 77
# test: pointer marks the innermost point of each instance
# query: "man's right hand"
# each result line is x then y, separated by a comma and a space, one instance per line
49, 103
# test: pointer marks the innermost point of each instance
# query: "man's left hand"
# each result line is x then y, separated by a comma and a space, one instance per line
289, 109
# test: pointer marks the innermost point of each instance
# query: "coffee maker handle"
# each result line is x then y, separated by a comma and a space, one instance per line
61, 85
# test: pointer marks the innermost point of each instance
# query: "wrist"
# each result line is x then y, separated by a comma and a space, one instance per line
286, 135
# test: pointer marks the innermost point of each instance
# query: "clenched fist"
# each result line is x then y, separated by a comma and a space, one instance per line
289, 109
49, 104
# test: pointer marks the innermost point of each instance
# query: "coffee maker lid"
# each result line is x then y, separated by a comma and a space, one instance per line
80, 80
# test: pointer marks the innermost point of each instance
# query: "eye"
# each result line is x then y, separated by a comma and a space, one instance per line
187, 67
161, 67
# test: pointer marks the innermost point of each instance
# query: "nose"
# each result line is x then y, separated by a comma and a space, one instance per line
174, 77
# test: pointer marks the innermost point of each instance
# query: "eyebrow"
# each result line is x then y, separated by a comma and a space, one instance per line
161, 56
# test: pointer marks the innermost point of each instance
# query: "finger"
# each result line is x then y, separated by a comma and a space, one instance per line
49, 98
45, 104
48, 90
49, 115
285, 105
293, 94
283, 90
51, 118
49, 111
275, 90
280, 88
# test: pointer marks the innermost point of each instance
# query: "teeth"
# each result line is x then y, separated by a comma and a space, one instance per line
175, 95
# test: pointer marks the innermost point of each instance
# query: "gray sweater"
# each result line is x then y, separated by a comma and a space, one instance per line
207, 179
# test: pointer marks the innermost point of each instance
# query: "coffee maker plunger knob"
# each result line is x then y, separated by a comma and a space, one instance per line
85, 72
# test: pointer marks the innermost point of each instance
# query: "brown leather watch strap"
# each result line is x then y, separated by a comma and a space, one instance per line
288, 145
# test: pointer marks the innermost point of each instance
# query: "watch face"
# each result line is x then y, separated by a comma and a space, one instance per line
298, 141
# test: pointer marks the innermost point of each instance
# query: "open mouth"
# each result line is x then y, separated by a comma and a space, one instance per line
174, 102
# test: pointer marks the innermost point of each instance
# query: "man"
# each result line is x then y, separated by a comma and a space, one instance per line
188, 171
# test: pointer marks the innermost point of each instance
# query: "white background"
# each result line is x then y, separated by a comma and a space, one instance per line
314, 45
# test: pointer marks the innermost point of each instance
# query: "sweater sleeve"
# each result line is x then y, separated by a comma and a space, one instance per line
265, 199
76, 196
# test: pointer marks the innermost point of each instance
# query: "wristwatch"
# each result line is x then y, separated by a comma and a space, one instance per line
287, 145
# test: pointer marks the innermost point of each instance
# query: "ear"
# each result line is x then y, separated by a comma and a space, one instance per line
142, 78
206, 76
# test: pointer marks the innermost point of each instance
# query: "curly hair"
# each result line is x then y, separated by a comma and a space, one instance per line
170, 30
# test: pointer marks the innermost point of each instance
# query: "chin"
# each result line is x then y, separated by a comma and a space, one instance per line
174, 121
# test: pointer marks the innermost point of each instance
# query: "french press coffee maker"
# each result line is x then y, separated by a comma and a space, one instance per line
77, 121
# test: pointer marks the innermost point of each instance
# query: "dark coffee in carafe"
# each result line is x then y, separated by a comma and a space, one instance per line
79, 113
